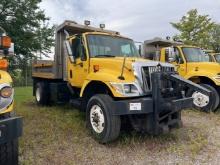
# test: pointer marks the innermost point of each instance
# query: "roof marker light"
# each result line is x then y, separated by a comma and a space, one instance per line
87, 22
102, 26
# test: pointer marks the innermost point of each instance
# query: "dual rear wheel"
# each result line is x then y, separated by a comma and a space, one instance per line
42, 95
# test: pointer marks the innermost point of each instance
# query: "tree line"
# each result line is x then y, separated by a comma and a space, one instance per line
198, 30
29, 28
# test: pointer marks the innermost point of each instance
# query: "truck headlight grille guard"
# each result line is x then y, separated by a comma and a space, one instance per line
6, 101
147, 72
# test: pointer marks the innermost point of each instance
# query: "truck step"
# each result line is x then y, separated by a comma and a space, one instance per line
76, 103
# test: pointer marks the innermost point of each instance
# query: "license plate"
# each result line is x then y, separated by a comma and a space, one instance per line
135, 106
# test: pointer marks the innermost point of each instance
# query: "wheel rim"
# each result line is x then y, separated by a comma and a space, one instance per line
200, 100
37, 94
97, 119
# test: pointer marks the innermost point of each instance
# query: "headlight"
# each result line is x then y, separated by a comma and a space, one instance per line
127, 89
6, 92
6, 96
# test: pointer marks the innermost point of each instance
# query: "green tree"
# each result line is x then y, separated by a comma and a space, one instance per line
29, 29
195, 29
215, 38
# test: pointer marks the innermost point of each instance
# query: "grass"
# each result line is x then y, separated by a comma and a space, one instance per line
57, 135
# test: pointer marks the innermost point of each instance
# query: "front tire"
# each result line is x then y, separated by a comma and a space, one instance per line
9, 153
9, 149
203, 102
104, 126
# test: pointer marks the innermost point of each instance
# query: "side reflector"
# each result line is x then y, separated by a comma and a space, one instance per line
5, 42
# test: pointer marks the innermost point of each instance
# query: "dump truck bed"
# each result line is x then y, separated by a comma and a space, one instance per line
44, 69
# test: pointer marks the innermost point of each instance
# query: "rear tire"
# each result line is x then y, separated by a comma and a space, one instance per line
211, 103
42, 94
104, 126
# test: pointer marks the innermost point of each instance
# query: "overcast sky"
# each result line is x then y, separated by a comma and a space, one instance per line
138, 19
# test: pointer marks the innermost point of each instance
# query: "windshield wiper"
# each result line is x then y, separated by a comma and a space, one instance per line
104, 55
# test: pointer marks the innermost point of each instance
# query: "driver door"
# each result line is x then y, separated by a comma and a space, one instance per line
180, 62
78, 65
177, 60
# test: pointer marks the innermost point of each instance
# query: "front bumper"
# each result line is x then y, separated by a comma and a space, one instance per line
10, 129
157, 118
146, 105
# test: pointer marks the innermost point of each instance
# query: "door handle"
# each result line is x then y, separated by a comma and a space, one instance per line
177, 66
80, 64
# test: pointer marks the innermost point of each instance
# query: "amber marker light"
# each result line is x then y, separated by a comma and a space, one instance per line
3, 64
95, 68
5, 42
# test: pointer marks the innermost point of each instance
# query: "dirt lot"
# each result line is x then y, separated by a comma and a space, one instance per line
57, 135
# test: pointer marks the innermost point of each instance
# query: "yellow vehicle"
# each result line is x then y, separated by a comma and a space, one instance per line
101, 72
10, 126
191, 63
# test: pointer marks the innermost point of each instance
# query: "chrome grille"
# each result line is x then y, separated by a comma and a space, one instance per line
147, 71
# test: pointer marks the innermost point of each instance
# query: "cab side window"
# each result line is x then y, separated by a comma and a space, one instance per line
78, 49
178, 56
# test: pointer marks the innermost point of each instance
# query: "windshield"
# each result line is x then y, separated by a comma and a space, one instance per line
109, 46
195, 55
217, 57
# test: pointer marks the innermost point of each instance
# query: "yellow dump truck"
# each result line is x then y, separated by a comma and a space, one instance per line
101, 72
191, 63
10, 126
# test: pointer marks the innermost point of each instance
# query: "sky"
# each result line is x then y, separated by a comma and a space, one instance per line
137, 19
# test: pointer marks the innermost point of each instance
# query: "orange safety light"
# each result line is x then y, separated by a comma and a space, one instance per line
3, 64
5, 42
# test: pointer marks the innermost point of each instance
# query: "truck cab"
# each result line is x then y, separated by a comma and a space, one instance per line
101, 73
193, 64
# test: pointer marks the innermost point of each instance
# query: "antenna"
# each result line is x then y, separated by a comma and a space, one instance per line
121, 77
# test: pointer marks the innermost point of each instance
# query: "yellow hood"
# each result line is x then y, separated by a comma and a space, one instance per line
113, 66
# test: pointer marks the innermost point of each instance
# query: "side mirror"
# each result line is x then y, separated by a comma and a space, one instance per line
70, 52
170, 54
171, 59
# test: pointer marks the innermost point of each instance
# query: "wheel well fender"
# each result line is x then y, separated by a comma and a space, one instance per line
203, 79
95, 87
